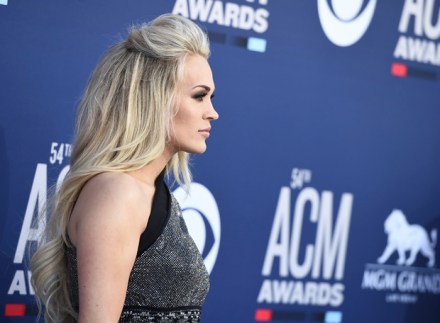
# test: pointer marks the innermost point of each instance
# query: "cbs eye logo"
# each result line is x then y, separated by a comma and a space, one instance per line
345, 22
201, 215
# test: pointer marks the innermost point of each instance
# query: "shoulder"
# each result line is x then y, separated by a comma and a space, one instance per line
111, 200
112, 183
115, 190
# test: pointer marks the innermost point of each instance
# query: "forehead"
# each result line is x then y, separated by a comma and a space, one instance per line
197, 71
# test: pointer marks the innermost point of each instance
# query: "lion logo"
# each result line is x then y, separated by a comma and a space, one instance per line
403, 237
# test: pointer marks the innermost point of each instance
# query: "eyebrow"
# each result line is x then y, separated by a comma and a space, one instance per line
207, 88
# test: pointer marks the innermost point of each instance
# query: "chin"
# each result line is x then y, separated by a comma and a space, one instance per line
196, 150
199, 151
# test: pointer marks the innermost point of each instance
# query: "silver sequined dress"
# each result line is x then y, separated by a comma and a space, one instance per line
168, 282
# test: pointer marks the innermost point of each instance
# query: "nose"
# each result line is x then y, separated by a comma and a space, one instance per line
211, 114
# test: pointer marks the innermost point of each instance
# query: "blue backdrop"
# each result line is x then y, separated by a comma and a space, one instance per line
318, 197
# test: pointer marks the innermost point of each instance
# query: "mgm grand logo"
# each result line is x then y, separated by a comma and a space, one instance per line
403, 281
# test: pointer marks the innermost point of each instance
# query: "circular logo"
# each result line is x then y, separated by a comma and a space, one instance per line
201, 215
345, 24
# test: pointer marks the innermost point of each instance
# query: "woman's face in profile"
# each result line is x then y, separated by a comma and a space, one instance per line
191, 125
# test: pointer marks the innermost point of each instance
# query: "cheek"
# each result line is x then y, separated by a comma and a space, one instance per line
182, 123
186, 116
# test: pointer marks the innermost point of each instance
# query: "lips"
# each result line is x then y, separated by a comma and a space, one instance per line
205, 132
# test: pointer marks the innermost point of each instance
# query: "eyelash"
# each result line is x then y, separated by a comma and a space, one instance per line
199, 97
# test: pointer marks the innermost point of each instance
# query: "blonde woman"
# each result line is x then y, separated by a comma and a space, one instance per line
116, 247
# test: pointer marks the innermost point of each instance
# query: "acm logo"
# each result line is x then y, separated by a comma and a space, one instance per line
302, 268
202, 217
344, 22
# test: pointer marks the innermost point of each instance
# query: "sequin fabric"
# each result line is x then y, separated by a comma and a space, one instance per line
176, 316
168, 282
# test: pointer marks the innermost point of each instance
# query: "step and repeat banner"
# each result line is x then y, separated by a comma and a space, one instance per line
318, 199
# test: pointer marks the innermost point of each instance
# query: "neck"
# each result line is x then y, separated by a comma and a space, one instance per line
149, 173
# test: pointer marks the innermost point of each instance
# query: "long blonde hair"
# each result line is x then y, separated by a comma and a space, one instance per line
123, 123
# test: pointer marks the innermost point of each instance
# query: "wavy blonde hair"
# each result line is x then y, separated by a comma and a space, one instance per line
123, 123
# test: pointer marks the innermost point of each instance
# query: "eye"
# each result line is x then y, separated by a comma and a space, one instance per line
200, 96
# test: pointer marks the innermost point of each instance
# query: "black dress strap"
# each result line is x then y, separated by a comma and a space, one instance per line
160, 213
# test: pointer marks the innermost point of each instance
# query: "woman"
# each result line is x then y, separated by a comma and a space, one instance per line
116, 247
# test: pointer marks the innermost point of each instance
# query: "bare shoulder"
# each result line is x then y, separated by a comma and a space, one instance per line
113, 183
118, 190
112, 200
